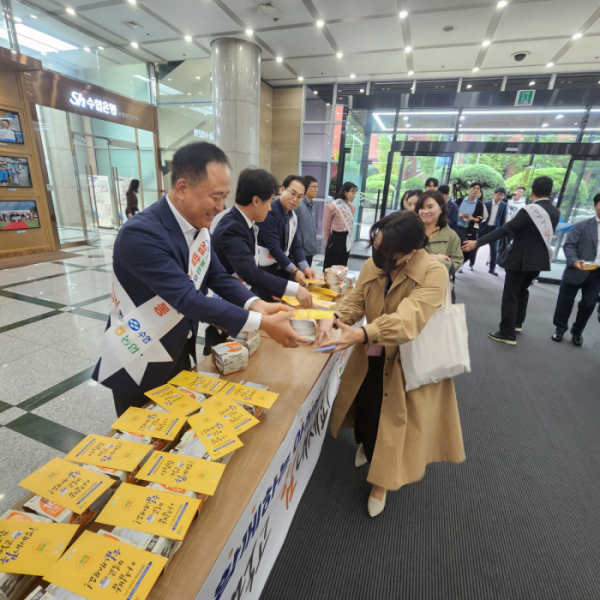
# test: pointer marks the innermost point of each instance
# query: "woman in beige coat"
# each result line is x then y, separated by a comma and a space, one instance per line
400, 432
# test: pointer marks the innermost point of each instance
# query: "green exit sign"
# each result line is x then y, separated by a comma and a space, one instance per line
525, 98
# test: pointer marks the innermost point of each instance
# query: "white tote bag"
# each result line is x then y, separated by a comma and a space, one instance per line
440, 351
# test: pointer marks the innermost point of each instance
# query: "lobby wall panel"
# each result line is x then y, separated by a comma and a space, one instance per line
287, 121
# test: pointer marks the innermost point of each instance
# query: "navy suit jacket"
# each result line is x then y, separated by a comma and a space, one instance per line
151, 257
271, 235
500, 215
452, 214
234, 242
581, 244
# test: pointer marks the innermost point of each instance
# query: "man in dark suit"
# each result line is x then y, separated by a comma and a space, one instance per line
532, 227
496, 210
580, 247
279, 248
452, 208
163, 265
235, 242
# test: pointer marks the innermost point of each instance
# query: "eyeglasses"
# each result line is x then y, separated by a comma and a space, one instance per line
313, 186
293, 194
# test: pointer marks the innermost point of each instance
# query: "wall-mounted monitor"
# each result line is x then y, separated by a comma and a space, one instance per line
14, 172
18, 215
10, 128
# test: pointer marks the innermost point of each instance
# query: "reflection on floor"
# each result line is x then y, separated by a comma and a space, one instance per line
70, 234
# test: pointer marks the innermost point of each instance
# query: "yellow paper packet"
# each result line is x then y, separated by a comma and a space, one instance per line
175, 470
231, 412
151, 511
32, 548
68, 485
217, 436
140, 421
198, 383
108, 452
97, 567
174, 400
313, 314
247, 395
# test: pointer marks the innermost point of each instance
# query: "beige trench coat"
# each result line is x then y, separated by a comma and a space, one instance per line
416, 427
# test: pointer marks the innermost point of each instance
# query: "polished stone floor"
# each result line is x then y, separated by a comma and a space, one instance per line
52, 316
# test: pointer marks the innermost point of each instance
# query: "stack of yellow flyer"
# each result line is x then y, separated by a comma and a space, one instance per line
218, 437
151, 511
317, 315
139, 421
322, 303
248, 394
290, 300
198, 382
66, 484
98, 568
194, 474
32, 548
324, 293
174, 400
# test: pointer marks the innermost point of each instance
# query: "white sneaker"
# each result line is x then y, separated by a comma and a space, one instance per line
375, 507
360, 459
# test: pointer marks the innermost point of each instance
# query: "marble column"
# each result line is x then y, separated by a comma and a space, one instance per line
236, 102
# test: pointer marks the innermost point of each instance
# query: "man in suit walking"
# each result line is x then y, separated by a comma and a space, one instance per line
235, 240
530, 253
163, 265
452, 208
496, 209
580, 247
279, 249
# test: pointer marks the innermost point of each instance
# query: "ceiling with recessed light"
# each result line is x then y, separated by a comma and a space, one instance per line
328, 40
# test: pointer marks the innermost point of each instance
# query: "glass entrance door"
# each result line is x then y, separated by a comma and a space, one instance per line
106, 167
124, 159
409, 171
578, 200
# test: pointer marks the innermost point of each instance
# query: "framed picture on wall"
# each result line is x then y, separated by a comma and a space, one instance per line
10, 128
14, 172
22, 214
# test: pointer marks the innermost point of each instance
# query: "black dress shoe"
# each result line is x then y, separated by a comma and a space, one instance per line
557, 337
494, 273
578, 339
511, 340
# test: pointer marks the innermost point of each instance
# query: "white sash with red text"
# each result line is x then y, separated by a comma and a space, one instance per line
133, 338
541, 219
264, 257
348, 219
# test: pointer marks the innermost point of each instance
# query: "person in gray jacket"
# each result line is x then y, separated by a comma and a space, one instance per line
307, 226
581, 247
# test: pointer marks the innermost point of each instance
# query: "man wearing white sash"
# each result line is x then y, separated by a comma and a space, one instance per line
529, 253
163, 265
338, 226
279, 249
